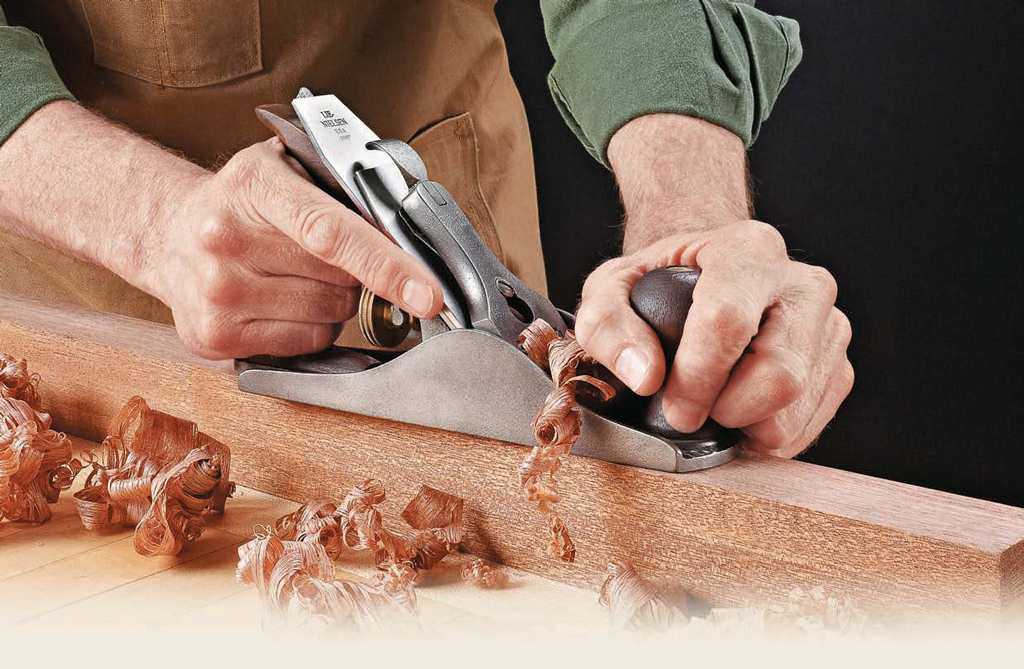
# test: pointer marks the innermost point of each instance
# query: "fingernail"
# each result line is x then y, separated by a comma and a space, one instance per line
683, 415
417, 297
631, 367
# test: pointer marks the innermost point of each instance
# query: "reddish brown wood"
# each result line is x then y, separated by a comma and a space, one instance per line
746, 532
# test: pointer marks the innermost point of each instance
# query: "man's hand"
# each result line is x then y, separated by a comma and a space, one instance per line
256, 259
253, 259
763, 348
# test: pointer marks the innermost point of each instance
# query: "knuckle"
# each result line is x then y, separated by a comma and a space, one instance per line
592, 325
348, 304
729, 322
321, 336
219, 286
380, 271
845, 377
240, 171
215, 333
215, 234
824, 282
771, 434
334, 303
767, 238
843, 329
317, 233
702, 381
587, 321
598, 279
192, 342
785, 382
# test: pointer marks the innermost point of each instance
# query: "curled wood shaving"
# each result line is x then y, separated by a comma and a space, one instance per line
577, 377
816, 611
157, 473
296, 583
482, 575
313, 522
17, 382
435, 516
358, 516
634, 604
534, 342
35, 461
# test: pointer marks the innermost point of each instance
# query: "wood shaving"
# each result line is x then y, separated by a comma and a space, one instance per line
36, 463
296, 583
292, 566
313, 522
482, 575
634, 604
435, 516
577, 378
17, 382
157, 473
816, 611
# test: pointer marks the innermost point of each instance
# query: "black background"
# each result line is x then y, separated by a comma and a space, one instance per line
893, 159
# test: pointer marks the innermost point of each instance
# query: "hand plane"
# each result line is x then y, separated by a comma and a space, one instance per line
467, 374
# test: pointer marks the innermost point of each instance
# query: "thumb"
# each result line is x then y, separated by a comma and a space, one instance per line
608, 328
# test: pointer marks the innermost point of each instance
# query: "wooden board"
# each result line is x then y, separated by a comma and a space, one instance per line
743, 533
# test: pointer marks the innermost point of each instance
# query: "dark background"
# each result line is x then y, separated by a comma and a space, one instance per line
893, 159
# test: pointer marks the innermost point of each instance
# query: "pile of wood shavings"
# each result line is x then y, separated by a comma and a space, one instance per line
35, 461
156, 473
635, 604
292, 568
577, 377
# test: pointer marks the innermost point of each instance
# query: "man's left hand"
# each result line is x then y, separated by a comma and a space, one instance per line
763, 347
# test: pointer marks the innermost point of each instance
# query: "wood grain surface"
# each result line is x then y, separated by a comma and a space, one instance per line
743, 533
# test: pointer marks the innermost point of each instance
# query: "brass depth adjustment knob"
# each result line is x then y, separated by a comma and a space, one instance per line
382, 323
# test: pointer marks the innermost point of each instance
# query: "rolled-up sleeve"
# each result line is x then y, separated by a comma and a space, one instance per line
28, 79
721, 61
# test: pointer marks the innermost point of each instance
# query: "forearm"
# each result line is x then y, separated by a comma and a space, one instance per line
88, 188
677, 174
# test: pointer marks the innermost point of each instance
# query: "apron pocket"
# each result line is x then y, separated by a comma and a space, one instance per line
449, 150
177, 43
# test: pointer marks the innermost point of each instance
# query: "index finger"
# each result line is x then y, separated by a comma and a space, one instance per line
735, 288
340, 237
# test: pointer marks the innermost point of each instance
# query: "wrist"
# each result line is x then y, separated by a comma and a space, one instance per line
146, 259
92, 190
677, 174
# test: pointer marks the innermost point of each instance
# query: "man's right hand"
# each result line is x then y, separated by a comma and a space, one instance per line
255, 259
252, 259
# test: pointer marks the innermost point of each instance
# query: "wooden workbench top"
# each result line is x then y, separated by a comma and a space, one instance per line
59, 577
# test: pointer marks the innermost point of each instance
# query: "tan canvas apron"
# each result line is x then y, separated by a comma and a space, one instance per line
188, 73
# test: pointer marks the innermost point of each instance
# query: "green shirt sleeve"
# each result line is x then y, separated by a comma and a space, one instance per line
28, 79
721, 61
